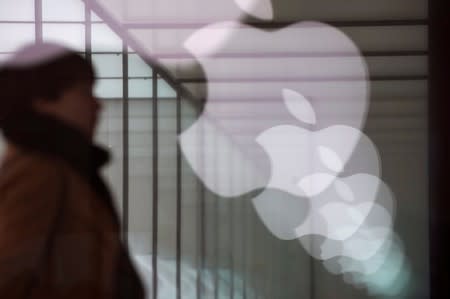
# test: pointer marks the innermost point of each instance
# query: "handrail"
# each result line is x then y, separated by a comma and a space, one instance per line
181, 90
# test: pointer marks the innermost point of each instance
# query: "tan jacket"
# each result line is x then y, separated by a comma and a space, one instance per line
57, 238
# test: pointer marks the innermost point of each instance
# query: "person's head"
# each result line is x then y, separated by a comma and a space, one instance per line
52, 80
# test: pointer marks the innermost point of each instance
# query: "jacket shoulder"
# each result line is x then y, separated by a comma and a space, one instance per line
30, 171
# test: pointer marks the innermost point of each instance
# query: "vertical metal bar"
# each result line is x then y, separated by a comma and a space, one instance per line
178, 245
244, 221
155, 184
274, 261
87, 33
38, 21
281, 246
216, 225
216, 248
312, 275
267, 266
125, 143
271, 267
261, 265
254, 247
231, 232
201, 225
250, 251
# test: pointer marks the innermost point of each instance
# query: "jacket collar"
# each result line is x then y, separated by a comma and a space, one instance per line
49, 136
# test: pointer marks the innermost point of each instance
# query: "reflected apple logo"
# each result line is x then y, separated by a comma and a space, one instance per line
307, 163
284, 113
311, 185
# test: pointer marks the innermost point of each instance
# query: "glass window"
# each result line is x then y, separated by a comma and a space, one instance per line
17, 10
108, 65
62, 10
141, 173
137, 67
104, 39
70, 35
110, 133
164, 90
94, 17
140, 88
13, 36
109, 88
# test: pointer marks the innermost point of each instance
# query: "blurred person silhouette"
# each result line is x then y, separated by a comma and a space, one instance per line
59, 231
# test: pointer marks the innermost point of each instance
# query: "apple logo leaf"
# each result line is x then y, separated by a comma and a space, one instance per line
343, 220
209, 39
261, 9
359, 213
299, 106
330, 159
344, 191
315, 183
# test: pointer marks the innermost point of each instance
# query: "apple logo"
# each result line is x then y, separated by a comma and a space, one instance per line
304, 164
246, 68
285, 108
361, 224
249, 96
